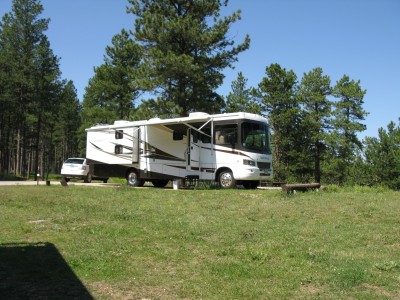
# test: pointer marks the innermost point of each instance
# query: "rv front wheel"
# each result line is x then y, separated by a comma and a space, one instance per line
226, 180
133, 179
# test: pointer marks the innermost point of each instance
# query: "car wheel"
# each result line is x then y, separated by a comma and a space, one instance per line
133, 179
226, 180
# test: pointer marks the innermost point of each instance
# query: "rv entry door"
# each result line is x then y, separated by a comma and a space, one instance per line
135, 144
194, 151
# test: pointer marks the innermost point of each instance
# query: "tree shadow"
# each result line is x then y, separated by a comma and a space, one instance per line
37, 271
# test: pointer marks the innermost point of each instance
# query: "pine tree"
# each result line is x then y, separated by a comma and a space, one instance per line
347, 114
278, 91
67, 125
30, 85
314, 91
382, 156
22, 39
242, 98
185, 49
112, 91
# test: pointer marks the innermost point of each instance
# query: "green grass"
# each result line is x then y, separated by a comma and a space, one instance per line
127, 243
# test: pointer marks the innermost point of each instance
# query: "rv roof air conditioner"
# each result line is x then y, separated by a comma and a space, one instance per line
198, 114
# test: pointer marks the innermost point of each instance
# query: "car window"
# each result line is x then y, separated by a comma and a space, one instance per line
74, 161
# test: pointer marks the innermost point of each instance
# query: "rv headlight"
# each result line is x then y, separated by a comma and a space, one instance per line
248, 162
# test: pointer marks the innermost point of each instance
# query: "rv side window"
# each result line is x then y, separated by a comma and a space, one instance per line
177, 135
206, 139
195, 135
119, 134
118, 149
225, 134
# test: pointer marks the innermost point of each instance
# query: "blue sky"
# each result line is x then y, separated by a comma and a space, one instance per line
359, 38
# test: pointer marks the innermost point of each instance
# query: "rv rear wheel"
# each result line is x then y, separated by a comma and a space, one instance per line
226, 180
133, 179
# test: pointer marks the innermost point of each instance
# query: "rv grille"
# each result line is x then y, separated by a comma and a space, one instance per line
264, 165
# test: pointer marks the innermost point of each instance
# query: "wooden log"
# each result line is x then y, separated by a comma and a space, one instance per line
302, 187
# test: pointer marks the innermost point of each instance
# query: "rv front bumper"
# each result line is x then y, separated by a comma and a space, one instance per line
252, 173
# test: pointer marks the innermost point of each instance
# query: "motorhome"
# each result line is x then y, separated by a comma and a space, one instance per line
231, 149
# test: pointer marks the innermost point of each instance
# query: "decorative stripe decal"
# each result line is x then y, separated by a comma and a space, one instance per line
159, 156
232, 152
127, 157
177, 167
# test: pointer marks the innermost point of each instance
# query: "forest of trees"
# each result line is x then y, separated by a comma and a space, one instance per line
177, 52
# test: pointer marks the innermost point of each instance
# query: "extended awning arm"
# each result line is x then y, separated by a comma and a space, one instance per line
199, 129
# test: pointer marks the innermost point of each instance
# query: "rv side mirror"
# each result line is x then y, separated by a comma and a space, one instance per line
177, 135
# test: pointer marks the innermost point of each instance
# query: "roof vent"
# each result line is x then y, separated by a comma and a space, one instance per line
121, 122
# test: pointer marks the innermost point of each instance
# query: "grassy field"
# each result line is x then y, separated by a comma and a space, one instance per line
122, 243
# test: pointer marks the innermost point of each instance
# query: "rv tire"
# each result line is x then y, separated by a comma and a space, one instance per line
133, 179
226, 179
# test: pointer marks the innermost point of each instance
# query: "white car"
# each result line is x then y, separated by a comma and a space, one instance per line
78, 168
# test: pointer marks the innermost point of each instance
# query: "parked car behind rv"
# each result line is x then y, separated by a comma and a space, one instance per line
78, 168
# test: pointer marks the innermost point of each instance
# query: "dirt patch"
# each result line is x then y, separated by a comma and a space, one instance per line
310, 289
381, 292
129, 291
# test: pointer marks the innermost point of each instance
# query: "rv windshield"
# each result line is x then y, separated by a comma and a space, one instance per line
255, 136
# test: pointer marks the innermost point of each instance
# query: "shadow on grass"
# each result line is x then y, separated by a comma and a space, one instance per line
37, 271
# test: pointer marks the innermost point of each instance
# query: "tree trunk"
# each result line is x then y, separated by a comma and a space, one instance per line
317, 162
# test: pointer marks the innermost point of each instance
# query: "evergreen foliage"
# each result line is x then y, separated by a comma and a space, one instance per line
278, 91
347, 116
177, 51
30, 92
313, 92
382, 157
111, 92
185, 49
242, 98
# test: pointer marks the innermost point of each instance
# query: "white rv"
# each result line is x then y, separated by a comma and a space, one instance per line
232, 148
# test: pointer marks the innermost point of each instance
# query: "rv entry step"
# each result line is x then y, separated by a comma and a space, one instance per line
192, 181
